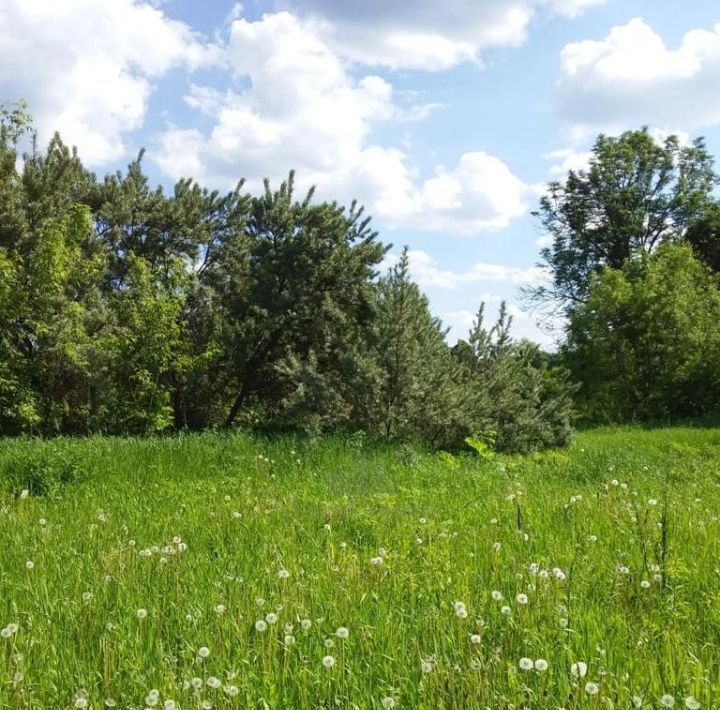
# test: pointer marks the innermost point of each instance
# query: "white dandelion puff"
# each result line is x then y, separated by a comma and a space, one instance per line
526, 664
579, 669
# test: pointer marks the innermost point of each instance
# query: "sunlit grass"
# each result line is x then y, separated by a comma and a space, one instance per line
221, 571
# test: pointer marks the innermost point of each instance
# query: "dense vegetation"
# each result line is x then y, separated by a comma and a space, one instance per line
633, 269
333, 573
125, 310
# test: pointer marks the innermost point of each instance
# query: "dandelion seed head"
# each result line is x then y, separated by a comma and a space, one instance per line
579, 669
328, 661
592, 688
526, 664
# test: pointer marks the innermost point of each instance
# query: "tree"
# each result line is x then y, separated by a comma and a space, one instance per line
514, 398
635, 196
703, 235
296, 295
646, 344
420, 394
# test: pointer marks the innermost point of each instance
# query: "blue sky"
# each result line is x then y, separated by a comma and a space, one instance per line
444, 118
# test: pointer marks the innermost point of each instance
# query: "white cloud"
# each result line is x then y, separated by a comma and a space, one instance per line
426, 272
303, 110
632, 78
426, 34
85, 66
567, 159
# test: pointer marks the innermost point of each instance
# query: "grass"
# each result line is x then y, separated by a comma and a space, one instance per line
624, 578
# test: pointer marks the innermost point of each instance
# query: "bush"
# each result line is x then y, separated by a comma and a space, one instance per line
40, 468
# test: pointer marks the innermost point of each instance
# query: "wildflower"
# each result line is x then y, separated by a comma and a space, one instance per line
559, 574
579, 669
81, 702
593, 538
342, 633
306, 624
652, 501
220, 609
497, 596
476, 639
261, 625
667, 701
658, 577
170, 705
645, 584
231, 690
541, 664
592, 688
426, 667
615, 482
328, 661
637, 701
329, 643
196, 683
388, 702
203, 652
283, 574
522, 599
110, 703
86, 596
496, 547
623, 569
422, 522
213, 682
691, 703
289, 640
563, 622
505, 610
377, 561
24, 493
526, 664
141, 613
271, 618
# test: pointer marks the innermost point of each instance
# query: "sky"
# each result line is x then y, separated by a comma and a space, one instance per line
445, 118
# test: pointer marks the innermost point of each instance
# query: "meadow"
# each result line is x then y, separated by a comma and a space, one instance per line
218, 571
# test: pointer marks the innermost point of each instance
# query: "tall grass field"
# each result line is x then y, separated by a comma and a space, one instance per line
222, 571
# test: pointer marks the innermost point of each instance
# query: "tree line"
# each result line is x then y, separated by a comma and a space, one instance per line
128, 310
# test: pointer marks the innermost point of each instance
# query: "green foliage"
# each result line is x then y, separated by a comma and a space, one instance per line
646, 345
126, 309
635, 195
39, 469
511, 391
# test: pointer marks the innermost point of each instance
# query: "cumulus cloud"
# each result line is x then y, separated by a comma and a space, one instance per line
427, 273
303, 109
86, 66
426, 34
631, 78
